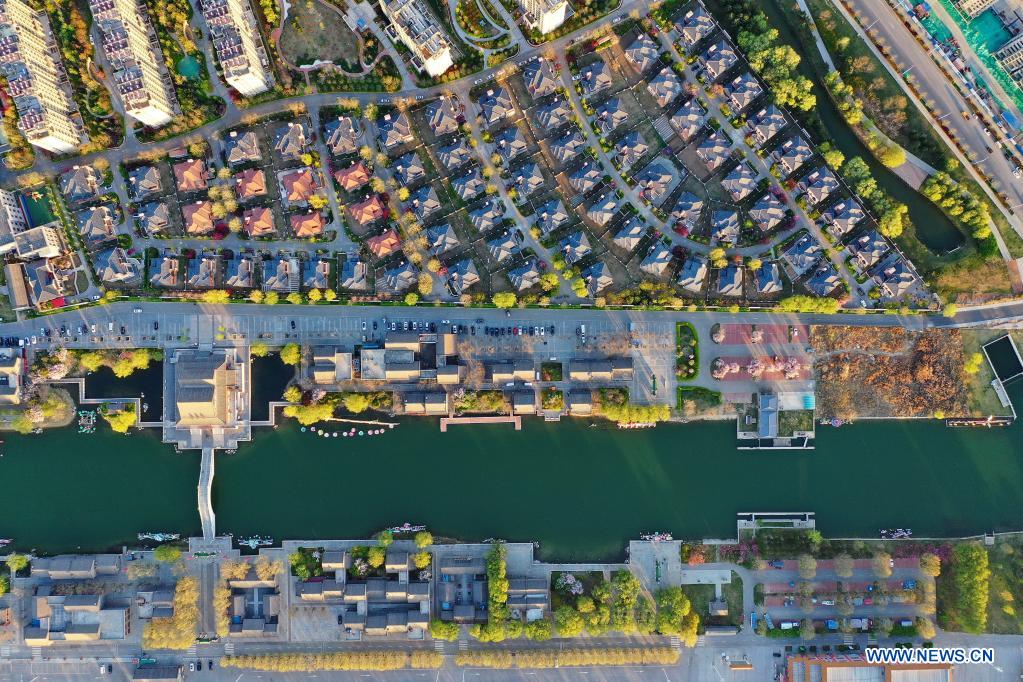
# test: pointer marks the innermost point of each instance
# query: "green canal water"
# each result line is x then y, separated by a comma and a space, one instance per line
581, 492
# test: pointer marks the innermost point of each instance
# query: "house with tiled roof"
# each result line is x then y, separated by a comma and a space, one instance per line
191, 175
768, 212
442, 116
665, 87
820, 184
424, 202
597, 278
868, 249
724, 227
203, 273
528, 179
768, 279
688, 209
167, 274
593, 78
454, 154
298, 186
408, 168
718, 58
610, 115
843, 217
462, 275
240, 273
487, 216
540, 78
290, 141
341, 135
495, 105
385, 244
802, 254
470, 185
318, 276
307, 225
397, 279
503, 247
351, 178
656, 261
740, 182
603, 209
630, 234
368, 211
250, 183
242, 148
766, 123
568, 146
714, 151
642, 53
551, 215
259, 222
586, 177
153, 217
441, 239
198, 217
695, 25
742, 91
792, 154
143, 181
81, 183
354, 275
509, 143
654, 181
96, 225
115, 266
393, 129
688, 119
824, 280
553, 114
895, 278
283, 275
574, 247
630, 149
730, 281
525, 276
693, 273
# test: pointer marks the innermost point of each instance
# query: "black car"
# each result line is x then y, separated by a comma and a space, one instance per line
374, 329
156, 326
209, 664
292, 324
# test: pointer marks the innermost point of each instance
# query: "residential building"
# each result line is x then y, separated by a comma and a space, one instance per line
525, 276
331, 365
665, 87
318, 276
290, 141
973, 8
341, 135
283, 275
74, 618
730, 281
140, 73
630, 234
393, 129
242, 148
95, 224
768, 279
543, 16
238, 46
642, 52
354, 275
414, 25
594, 78
116, 267
259, 221
11, 381
80, 183
143, 181
442, 115
693, 273
696, 25
656, 261
540, 78
724, 227
39, 242
495, 105
868, 249
36, 80
240, 273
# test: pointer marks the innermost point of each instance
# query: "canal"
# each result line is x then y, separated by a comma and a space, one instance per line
933, 228
581, 492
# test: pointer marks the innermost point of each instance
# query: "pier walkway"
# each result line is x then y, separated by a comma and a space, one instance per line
206, 515
507, 419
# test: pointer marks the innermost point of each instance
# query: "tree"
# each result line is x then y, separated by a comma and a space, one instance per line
675, 615
892, 156
425, 284
843, 566
970, 576
568, 621
422, 559
882, 564
356, 403
256, 296
504, 299
259, 350
294, 298
315, 295
754, 264
331, 295
806, 629
271, 298
444, 630
292, 394
90, 361
267, 570
411, 298
883, 627
539, 630
924, 627
807, 567
832, 156
424, 538
549, 281
291, 354
385, 538
930, 564
167, 554
121, 420
375, 556
950, 310
216, 296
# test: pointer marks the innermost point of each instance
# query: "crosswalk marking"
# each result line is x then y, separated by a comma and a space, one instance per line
463, 645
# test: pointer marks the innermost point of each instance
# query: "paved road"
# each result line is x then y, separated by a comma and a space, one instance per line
948, 103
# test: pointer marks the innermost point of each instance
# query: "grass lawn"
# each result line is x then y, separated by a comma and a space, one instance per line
790, 421
983, 400
551, 371
700, 596
1005, 610
314, 31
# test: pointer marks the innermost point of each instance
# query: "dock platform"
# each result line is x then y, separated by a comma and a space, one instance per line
506, 419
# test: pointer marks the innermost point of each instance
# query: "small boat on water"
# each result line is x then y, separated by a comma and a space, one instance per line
896, 533
406, 528
656, 537
637, 425
5, 541
255, 541
160, 537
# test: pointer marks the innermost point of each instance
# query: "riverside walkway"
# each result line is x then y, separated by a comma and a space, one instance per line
507, 419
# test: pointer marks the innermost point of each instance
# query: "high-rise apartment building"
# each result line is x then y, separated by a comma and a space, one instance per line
544, 15
421, 32
30, 60
133, 51
238, 45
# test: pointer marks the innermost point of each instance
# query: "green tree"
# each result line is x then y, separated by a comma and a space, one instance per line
807, 567
375, 556
950, 310
90, 361
568, 621
930, 564
504, 299
971, 575
422, 559
356, 403
292, 394
424, 539
291, 354
443, 630
168, 554
271, 298
259, 350
892, 156
5, 585
411, 298
385, 538
843, 566
675, 615
539, 630
882, 564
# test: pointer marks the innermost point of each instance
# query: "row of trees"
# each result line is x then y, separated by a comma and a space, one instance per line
615, 406
123, 363
971, 576
178, 631
891, 214
775, 62
958, 202
539, 658
353, 660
